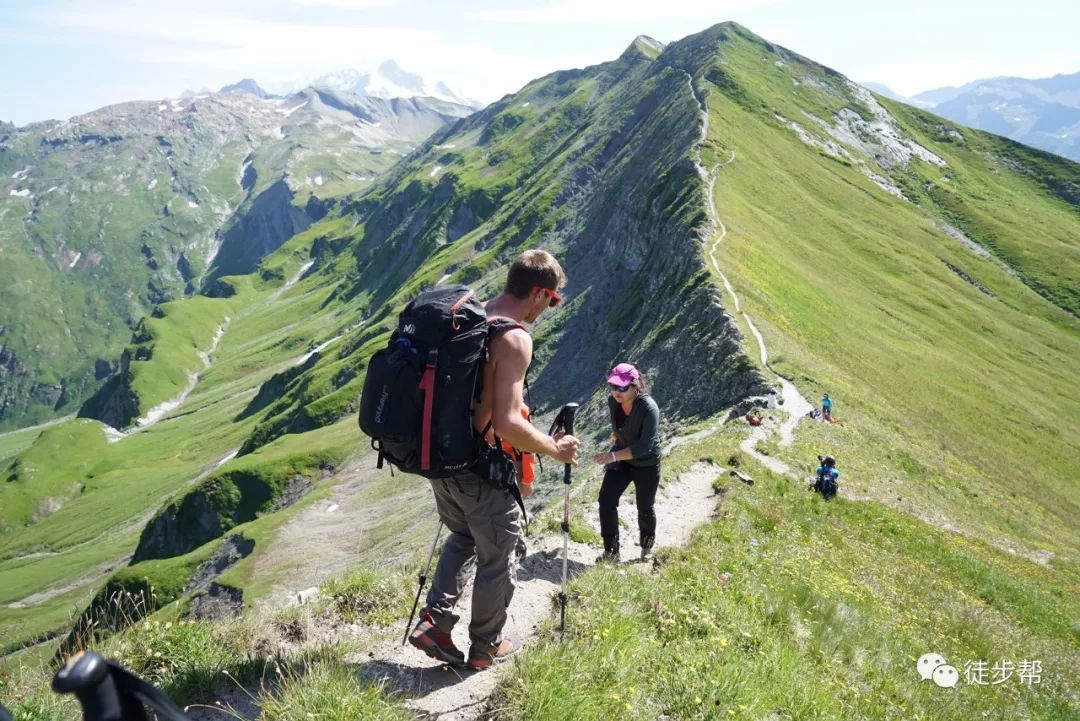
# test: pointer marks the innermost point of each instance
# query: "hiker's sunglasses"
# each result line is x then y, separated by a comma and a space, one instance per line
553, 298
620, 389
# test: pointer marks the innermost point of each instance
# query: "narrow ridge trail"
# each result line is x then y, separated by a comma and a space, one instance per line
795, 406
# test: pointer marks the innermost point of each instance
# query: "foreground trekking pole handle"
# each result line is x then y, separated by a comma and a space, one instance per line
86, 674
422, 580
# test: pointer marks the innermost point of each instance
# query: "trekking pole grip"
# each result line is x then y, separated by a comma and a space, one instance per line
86, 674
566, 422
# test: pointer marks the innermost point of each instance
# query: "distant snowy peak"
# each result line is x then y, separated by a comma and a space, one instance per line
389, 80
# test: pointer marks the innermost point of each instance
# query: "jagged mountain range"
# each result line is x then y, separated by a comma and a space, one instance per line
107, 214
1042, 112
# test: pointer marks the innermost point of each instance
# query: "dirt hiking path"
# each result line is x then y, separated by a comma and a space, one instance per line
437, 691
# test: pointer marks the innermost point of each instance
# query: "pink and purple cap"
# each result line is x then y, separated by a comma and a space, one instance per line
623, 374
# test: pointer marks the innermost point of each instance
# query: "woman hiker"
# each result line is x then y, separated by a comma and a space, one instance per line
634, 457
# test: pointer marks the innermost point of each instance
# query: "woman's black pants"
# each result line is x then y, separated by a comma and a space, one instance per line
617, 477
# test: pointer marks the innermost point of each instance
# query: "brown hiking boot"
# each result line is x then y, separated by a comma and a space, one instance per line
482, 655
435, 642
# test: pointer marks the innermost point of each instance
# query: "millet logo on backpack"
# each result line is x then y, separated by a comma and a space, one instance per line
382, 404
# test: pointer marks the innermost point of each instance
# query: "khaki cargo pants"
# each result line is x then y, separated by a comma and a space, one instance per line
485, 531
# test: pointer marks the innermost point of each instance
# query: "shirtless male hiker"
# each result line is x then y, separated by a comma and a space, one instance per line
485, 522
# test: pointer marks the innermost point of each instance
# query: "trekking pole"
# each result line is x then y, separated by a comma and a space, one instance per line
109, 692
565, 421
87, 676
423, 580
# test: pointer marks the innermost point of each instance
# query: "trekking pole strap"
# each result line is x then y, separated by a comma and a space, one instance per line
131, 686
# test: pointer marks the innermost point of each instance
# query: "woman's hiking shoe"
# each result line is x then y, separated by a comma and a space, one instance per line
611, 551
482, 655
435, 642
647, 546
608, 557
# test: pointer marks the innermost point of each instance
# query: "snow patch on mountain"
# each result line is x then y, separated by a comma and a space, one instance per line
289, 111
389, 80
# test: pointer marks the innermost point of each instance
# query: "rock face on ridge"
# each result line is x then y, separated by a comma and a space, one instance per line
595, 165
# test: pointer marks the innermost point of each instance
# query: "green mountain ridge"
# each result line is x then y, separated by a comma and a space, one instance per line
923, 274
107, 214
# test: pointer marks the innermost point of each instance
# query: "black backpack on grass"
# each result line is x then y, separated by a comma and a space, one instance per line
826, 482
417, 401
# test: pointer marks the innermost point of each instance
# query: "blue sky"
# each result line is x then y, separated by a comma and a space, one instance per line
61, 58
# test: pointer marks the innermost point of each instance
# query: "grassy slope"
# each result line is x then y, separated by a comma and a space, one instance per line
827, 608
829, 605
122, 482
103, 209
942, 386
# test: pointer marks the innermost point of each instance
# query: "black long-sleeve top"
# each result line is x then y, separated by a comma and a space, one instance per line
639, 431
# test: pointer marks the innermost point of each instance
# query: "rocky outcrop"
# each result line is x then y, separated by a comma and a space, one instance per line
181, 526
218, 601
137, 591
19, 391
15, 384
114, 403
269, 221
217, 504
213, 599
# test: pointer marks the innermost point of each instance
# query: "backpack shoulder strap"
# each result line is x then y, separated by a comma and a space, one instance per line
500, 323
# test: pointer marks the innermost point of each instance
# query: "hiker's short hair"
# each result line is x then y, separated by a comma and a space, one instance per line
531, 269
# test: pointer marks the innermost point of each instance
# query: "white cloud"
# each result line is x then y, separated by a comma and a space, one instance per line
608, 12
221, 44
347, 4
222, 39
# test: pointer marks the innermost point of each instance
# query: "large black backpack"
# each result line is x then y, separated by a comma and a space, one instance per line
417, 400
